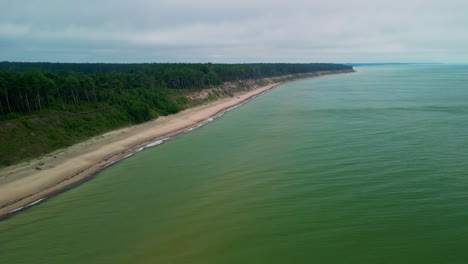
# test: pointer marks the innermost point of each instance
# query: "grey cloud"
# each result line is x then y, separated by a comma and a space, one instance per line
234, 31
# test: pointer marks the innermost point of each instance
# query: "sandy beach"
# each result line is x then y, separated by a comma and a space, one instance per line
24, 184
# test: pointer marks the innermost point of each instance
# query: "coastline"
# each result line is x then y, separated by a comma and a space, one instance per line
22, 185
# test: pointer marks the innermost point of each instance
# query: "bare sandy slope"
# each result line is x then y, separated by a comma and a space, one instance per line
23, 184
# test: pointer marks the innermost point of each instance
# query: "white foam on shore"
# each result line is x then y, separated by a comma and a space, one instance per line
107, 165
26, 206
131, 154
157, 142
195, 127
154, 144
138, 150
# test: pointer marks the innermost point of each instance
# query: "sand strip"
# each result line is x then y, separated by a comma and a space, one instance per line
23, 185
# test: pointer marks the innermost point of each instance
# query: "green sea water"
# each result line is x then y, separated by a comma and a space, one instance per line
369, 167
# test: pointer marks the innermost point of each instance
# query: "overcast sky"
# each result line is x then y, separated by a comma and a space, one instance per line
234, 31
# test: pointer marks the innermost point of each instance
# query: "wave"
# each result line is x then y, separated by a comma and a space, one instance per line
129, 155
107, 165
26, 206
157, 142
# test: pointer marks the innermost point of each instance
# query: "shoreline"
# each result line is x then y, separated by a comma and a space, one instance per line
22, 185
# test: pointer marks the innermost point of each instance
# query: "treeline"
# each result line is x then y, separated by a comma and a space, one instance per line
88, 68
139, 89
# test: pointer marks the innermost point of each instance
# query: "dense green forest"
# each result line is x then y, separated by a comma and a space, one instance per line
34, 87
45, 106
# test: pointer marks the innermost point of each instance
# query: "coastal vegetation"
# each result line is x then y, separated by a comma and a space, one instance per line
46, 106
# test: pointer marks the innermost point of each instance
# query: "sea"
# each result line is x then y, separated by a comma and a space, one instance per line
367, 167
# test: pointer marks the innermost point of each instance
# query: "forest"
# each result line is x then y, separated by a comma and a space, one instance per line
27, 88
47, 106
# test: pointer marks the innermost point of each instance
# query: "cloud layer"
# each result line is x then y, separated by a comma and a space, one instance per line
234, 31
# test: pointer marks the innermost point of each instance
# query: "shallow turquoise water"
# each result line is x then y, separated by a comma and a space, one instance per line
368, 167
